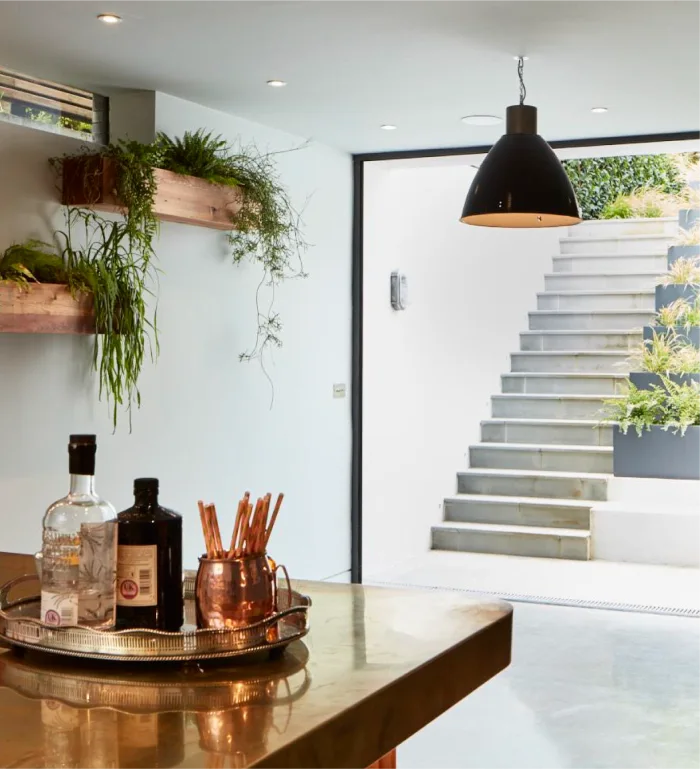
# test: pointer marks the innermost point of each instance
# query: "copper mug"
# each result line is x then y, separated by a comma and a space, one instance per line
235, 592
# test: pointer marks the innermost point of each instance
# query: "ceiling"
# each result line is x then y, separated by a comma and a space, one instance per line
352, 66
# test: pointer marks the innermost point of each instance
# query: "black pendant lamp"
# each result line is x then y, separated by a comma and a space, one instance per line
521, 182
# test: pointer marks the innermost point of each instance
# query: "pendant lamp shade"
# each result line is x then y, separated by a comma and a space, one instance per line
521, 182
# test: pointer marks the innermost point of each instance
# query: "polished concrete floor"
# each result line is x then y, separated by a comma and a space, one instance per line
587, 688
669, 587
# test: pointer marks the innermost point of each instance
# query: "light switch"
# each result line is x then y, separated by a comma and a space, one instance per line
339, 390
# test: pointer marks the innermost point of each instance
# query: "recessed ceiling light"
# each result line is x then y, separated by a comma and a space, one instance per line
109, 18
277, 83
388, 127
482, 119
599, 110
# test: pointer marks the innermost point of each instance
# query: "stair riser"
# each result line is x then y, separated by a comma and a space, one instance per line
620, 264
611, 245
555, 408
545, 341
564, 282
593, 302
538, 458
594, 321
517, 514
539, 546
624, 227
561, 435
543, 385
549, 362
525, 486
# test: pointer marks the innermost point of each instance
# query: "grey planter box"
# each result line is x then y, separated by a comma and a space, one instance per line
689, 336
657, 454
644, 380
676, 252
667, 294
688, 218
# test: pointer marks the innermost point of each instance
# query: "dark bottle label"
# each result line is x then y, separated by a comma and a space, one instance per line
137, 575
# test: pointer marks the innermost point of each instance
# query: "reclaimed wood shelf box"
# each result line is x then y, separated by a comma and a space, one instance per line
91, 182
44, 308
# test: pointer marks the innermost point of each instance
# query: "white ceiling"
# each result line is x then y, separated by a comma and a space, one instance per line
352, 66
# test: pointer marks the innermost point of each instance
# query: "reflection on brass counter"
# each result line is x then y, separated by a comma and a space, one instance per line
376, 667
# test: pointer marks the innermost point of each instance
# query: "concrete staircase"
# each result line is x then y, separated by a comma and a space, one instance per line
543, 460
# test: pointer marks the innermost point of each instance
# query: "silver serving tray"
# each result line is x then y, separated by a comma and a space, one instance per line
20, 626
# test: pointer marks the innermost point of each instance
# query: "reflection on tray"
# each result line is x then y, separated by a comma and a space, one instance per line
112, 717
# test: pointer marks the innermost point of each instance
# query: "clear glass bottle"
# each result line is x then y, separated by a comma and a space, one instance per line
79, 548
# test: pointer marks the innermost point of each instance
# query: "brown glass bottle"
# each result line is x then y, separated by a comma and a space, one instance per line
149, 562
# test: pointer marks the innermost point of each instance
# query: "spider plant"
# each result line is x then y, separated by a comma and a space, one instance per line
105, 264
97, 256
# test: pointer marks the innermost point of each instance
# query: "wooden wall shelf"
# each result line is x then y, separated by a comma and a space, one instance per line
178, 198
44, 308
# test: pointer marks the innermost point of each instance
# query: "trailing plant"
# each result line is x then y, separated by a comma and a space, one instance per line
96, 255
666, 354
599, 181
267, 229
683, 272
672, 407
135, 187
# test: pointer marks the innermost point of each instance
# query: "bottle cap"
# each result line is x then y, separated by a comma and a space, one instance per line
81, 454
142, 485
82, 440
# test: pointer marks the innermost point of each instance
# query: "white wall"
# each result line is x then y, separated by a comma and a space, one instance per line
429, 371
205, 428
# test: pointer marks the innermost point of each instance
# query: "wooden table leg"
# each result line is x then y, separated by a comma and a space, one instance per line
385, 762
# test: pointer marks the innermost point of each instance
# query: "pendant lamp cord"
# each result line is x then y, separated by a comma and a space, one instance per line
523, 90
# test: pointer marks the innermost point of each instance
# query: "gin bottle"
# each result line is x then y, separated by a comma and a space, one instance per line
149, 562
79, 548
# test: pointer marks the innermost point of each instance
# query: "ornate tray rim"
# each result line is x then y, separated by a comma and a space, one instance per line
225, 652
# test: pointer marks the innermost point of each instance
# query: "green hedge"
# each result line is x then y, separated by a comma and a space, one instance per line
599, 181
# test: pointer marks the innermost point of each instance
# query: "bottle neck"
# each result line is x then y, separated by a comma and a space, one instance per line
146, 499
82, 485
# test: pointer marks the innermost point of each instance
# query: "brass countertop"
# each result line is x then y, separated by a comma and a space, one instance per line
377, 666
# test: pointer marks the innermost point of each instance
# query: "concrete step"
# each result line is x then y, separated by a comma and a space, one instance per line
569, 383
577, 432
609, 281
589, 301
532, 406
521, 511
600, 320
521, 456
628, 244
574, 360
616, 228
603, 263
586, 339
533, 483
540, 542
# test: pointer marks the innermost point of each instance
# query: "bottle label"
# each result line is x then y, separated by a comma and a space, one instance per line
137, 575
98, 561
59, 609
